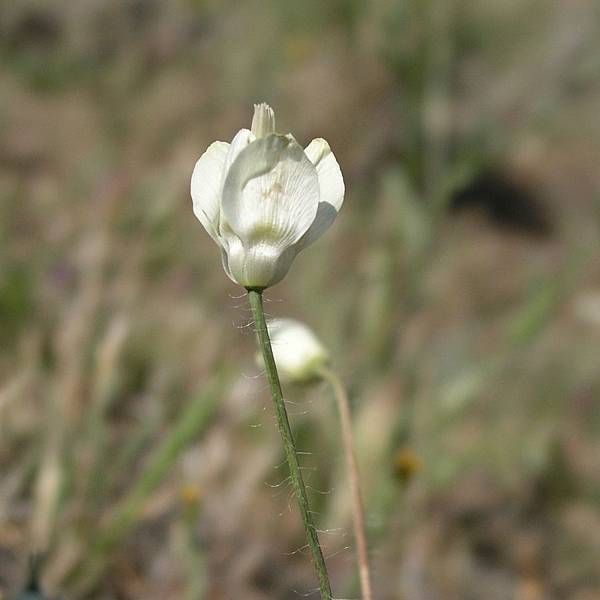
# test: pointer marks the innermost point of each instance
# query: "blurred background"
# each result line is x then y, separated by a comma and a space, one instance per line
458, 292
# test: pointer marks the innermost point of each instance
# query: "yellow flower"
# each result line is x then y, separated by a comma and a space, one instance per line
406, 464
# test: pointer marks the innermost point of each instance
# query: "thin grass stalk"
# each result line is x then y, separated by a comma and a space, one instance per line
194, 419
358, 512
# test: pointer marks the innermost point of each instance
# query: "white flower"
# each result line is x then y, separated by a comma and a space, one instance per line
298, 353
262, 198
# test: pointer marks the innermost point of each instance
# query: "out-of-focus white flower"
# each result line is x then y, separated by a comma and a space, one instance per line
263, 198
587, 307
298, 353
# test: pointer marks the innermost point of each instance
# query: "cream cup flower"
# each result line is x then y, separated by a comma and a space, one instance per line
297, 351
263, 198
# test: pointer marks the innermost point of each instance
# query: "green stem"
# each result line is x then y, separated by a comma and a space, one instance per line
256, 303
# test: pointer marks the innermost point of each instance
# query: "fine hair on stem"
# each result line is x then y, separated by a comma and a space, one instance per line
289, 447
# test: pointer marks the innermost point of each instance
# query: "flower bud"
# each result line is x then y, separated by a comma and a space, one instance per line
299, 355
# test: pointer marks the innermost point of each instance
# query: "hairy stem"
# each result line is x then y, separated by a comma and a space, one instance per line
358, 513
289, 447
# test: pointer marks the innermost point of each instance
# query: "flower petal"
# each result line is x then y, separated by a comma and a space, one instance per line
270, 193
240, 140
263, 121
259, 266
206, 187
331, 187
